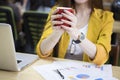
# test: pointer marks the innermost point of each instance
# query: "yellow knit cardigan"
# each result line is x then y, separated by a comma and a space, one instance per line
99, 32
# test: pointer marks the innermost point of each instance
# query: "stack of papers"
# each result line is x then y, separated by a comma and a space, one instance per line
73, 70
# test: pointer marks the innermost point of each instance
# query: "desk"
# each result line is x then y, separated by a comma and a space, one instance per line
28, 73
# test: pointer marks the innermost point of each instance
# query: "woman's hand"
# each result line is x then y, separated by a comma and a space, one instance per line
72, 21
56, 24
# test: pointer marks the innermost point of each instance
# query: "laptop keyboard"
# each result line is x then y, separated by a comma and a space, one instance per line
18, 61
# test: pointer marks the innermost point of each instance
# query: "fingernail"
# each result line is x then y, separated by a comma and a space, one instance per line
64, 10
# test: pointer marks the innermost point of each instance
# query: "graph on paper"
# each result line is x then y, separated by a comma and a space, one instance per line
75, 71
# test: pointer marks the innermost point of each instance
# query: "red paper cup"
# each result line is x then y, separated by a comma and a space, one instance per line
61, 10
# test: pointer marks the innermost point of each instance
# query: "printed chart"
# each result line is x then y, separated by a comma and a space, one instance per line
68, 70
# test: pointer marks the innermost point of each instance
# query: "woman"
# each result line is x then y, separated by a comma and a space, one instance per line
22, 4
88, 38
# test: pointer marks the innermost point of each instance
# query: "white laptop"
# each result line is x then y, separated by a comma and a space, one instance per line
9, 58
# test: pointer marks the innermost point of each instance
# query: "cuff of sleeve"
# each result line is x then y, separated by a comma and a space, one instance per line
100, 57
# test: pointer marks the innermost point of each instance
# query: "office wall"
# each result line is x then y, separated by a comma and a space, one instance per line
107, 4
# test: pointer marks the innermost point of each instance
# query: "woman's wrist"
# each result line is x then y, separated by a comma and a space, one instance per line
80, 38
58, 32
76, 35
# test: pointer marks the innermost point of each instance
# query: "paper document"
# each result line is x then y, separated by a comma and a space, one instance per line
73, 70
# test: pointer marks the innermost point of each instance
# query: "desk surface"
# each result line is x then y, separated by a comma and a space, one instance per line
28, 73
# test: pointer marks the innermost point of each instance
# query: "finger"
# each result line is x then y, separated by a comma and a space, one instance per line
66, 28
68, 12
53, 17
67, 16
56, 27
66, 21
56, 22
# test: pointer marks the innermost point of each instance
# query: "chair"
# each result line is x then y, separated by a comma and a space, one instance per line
7, 16
33, 27
114, 53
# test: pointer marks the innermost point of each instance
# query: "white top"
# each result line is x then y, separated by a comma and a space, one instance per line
78, 52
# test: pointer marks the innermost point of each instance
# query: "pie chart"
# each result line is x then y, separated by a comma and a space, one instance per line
83, 76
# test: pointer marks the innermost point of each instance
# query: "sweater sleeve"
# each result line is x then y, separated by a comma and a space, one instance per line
103, 44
